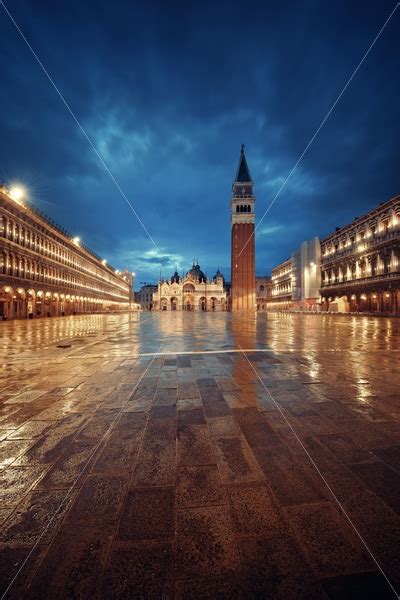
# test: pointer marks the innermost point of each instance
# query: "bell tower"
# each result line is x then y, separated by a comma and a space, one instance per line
243, 280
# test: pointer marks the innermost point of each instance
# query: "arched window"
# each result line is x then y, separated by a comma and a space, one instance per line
237, 208
262, 288
249, 208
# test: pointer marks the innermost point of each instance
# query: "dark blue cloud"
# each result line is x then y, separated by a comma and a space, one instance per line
169, 91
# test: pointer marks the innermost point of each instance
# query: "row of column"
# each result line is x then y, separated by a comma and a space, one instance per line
12, 307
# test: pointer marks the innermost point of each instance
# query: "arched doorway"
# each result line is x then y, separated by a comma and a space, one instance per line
174, 303
214, 303
203, 304
188, 302
31, 303
6, 302
164, 304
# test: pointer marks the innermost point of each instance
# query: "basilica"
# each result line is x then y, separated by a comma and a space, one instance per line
193, 291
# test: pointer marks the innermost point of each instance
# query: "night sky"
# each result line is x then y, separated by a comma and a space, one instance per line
168, 92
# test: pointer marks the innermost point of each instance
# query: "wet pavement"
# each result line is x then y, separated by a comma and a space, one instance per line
183, 455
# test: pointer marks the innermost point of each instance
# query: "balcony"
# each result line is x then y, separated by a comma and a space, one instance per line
371, 244
383, 277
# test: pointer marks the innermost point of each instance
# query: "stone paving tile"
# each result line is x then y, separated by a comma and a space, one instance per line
253, 509
345, 449
12, 561
194, 446
71, 566
256, 430
10, 450
382, 480
205, 543
391, 456
331, 546
292, 481
224, 426
188, 403
276, 567
67, 469
31, 518
236, 461
148, 514
119, 453
31, 430
139, 571
187, 390
191, 417
199, 486
16, 482
156, 463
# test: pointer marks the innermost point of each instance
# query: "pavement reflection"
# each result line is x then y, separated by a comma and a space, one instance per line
142, 456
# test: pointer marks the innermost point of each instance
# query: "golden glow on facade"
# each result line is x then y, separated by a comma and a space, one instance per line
36, 255
360, 262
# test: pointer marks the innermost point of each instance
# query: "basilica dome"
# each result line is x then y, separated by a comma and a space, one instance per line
196, 273
218, 276
175, 277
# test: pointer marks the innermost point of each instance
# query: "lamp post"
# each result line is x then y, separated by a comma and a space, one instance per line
131, 284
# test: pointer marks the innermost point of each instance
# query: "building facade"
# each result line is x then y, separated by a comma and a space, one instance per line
263, 292
306, 274
144, 297
282, 286
360, 263
243, 281
46, 272
296, 281
192, 292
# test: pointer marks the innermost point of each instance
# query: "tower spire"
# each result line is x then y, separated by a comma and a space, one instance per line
243, 173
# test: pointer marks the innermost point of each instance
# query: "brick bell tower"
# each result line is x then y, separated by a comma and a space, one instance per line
243, 281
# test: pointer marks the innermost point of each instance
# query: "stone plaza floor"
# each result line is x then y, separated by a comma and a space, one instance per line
198, 455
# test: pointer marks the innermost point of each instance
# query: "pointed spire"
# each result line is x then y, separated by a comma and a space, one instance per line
242, 173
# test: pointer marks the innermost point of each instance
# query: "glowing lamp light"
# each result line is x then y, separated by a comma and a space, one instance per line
16, 193
387, 295
104, 262
133, 274
76, 240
